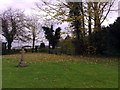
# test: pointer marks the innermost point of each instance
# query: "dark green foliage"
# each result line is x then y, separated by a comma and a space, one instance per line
48, 33
42, 45
79, 46
113, 37
98, 41
107, 40
12, 51
57, 35
90, 50
115, 34
52, 36
43, 50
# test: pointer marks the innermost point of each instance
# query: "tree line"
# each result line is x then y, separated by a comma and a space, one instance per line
88, 36
17, 26
85, 19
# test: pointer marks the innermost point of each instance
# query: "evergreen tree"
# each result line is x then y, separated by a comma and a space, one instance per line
52, 36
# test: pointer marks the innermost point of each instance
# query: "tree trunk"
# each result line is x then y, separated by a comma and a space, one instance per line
33, 44
82, 19
97, 24
9, 45
49, 47
89, 18
78, 31
89, 26
53, 46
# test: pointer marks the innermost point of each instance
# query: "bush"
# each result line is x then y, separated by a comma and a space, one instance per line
42, 45
8, 52
43, 50
91, 50
79, 46
67, 47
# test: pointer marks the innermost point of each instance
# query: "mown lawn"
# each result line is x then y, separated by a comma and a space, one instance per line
60, 71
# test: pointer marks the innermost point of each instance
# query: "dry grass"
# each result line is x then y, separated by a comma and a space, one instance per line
40, 57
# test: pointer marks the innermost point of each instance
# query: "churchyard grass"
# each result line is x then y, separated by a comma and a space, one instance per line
59, 71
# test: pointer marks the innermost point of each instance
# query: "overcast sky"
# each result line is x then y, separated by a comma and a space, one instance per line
28, 4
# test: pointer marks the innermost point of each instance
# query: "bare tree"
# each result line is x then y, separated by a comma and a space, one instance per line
12, 23
32, 25
101, 11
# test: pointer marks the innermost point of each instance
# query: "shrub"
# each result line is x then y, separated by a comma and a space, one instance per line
91, 50
42, 45
67, 47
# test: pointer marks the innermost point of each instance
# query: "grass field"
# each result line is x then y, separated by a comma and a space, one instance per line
60, 71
